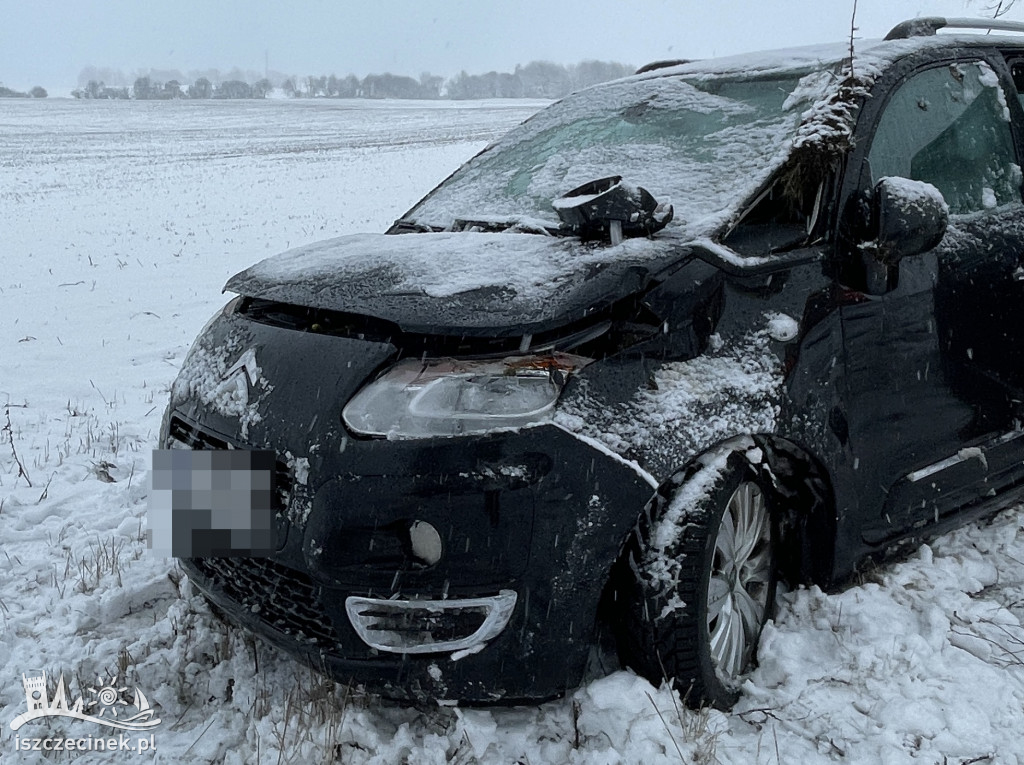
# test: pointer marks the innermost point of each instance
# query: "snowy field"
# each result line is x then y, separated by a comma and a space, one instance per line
119, 223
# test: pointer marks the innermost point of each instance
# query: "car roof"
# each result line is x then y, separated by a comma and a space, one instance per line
871, 56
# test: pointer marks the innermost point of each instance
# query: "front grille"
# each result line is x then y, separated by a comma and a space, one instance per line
196, 438
280, 596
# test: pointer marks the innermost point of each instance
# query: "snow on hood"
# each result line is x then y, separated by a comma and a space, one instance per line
459, 282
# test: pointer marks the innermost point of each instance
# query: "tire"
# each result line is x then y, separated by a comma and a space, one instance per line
697, 580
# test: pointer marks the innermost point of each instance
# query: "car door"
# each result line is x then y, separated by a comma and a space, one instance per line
932, 368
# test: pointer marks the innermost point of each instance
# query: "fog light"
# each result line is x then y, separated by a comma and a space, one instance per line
425, 543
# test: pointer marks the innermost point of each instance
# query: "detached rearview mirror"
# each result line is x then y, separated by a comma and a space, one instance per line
910, 218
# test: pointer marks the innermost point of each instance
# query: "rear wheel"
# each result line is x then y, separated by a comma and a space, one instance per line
698, 581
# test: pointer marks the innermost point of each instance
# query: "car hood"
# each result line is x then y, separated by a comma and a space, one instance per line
496, 284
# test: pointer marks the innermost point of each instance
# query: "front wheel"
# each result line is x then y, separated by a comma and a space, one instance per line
698, 580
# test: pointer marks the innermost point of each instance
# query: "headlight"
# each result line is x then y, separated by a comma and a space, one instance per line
450, 397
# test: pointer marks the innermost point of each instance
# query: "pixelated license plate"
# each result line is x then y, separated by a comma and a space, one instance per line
212, 503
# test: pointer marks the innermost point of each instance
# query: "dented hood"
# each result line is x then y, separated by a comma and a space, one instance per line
496, 284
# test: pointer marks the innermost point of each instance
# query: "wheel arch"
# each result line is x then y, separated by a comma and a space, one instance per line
807, 519
807, 514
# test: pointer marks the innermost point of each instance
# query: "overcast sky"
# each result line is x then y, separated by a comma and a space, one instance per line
48, 42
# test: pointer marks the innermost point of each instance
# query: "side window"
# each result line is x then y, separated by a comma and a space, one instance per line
950, 126
1017, 70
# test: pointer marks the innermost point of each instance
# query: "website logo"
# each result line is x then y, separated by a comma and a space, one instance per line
106, 707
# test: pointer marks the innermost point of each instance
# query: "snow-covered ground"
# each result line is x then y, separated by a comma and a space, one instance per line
119, 223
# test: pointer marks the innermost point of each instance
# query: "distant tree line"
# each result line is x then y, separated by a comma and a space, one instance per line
36, 92
538, 79
145, 89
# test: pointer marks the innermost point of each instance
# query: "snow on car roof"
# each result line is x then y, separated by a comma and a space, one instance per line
870, 55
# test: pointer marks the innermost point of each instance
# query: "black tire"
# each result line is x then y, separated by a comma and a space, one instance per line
677, 559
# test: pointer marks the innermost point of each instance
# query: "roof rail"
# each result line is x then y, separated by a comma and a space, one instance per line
662, 64
929, 25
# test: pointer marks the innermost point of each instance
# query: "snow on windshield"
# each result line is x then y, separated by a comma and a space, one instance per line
702, 144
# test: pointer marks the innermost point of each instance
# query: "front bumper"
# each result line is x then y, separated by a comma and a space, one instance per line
529, 523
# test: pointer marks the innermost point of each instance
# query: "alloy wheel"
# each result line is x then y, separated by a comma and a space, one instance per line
739, 585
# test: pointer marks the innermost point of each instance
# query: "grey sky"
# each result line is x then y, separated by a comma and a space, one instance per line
48, 42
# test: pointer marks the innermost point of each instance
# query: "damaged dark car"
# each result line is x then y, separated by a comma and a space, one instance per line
674, 340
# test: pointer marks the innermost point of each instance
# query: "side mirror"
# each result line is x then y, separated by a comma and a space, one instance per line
910, 218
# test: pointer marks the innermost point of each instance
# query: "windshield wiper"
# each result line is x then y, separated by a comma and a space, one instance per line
511, 226
485, 225
407, 226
